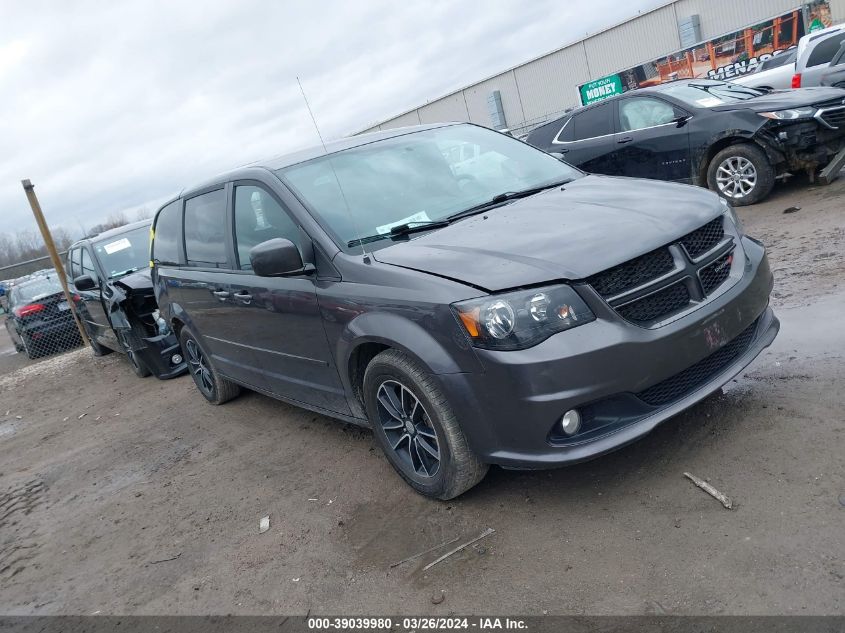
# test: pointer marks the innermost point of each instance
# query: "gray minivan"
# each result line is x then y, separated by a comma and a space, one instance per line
471, 298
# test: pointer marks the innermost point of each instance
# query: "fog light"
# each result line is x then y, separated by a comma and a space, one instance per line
176, 359
570, 423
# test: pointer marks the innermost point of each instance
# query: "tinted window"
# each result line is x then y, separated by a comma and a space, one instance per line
777, 61
205, 229
825, 50
642, 112
167, 228
565, 132
88, 265
75, 267
596, 121
258, 218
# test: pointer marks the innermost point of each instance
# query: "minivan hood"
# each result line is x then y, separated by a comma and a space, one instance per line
139, 280
589, 225
785, 99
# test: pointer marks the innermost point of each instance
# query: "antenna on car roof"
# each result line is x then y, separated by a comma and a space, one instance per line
337, 180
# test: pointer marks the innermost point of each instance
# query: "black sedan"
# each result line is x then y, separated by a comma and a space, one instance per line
40, 320
733, 139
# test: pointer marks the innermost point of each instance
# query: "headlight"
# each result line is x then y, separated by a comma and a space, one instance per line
731, 213
790, 115
517, 320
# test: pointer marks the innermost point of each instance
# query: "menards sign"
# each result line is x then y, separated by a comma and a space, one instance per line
725, 57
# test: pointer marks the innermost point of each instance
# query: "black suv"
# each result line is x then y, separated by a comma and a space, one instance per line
733, 139
111, 275
473, 299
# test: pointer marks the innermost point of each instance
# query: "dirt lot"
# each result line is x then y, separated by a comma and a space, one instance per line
122, 495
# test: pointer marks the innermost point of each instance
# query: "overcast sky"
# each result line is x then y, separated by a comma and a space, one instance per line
114, 106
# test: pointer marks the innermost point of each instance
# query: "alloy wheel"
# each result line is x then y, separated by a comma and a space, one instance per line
408, 428
199, 367
736, 177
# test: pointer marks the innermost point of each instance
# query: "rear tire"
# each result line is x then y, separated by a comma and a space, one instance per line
417, 429
741, 174
210, 383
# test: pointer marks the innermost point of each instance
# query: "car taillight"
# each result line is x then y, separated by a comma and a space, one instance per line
796, 80
77, 298
32, 308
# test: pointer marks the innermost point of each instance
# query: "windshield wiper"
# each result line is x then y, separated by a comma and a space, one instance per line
416, 227
126, 272
506, 197
400, 230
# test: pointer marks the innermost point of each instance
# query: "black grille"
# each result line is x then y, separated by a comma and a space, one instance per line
633, 272
703, 239
667, 301
681, 384
835, 118
715, 274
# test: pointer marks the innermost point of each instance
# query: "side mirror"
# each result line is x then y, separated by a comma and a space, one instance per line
559, 155
276, 258
681, 121
84, 282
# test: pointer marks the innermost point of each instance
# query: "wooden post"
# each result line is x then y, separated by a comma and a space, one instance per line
776, 35
748, 37
29, 189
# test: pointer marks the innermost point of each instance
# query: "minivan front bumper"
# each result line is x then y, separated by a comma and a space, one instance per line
510, 411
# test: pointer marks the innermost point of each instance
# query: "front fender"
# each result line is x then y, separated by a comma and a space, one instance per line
440, 350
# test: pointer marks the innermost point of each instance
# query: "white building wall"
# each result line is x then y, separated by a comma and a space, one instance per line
477, 94
549, 84
449, 108
639, 40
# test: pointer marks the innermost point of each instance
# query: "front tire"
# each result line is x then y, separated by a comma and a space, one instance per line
137, 364
210, 383
741, 174
417, 429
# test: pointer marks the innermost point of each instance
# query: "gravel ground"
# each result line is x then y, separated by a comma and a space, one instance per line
128, 496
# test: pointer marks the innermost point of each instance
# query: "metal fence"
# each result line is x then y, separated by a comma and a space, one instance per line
38, 317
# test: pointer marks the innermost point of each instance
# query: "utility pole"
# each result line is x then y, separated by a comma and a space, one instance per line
29, 189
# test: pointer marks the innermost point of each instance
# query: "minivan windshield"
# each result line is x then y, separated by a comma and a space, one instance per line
418, 178
124, 253
703, 93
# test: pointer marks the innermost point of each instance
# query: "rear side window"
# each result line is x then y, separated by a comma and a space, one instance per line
596, 121
565, 133
205, 230
166, 235
825, 50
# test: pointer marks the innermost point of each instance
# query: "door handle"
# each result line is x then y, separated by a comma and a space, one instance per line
243, 297
625, 139
220, 294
